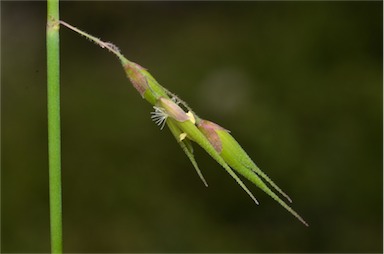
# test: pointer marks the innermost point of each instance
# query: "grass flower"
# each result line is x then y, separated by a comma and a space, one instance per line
187, 127
159, 117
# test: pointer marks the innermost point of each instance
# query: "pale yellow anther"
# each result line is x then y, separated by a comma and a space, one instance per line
182, 136
191, 117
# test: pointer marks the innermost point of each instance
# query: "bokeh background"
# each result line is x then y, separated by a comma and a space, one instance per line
299, 84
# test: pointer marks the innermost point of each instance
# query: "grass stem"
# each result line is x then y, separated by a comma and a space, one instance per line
54, 149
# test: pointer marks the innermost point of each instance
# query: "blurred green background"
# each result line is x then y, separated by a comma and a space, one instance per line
299, 84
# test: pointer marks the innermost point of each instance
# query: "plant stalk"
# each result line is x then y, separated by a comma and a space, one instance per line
54, 149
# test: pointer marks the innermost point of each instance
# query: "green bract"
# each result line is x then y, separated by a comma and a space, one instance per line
235, 156
186, 146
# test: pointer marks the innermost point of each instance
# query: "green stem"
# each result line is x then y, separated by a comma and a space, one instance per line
53, 83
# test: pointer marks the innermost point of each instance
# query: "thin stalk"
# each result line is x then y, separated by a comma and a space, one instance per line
54, 153
115, 50
99, 42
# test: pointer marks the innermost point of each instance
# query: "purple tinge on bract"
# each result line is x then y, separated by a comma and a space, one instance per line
136, 76
209, 129
173, 110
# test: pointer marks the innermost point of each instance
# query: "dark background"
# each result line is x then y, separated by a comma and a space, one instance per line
299, 84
